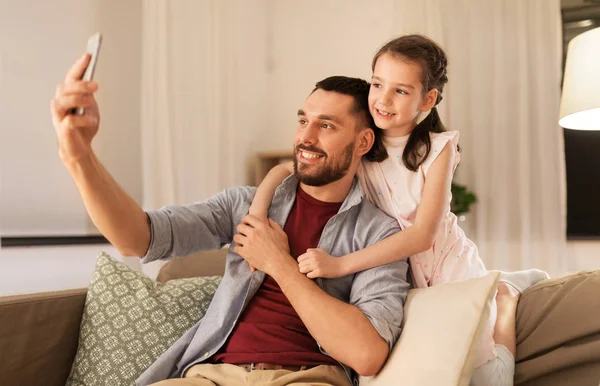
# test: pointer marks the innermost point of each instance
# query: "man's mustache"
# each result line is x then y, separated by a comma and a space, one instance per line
313, 149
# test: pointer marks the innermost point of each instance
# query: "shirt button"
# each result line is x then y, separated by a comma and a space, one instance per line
206, 355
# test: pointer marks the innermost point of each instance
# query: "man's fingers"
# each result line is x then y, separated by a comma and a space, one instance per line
76, 87
275, 225
72, 122
54, 111
252, 269
251, 220
77, 70
68, 102
244, 229
58, 112
239, 239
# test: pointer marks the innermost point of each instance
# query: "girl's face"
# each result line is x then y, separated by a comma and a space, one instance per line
396, 95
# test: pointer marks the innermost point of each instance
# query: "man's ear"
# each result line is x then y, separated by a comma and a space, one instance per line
366, 138
429, 100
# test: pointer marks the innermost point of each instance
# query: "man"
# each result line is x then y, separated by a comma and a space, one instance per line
272, 326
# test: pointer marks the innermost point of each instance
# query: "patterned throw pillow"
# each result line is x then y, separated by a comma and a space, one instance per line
130, 320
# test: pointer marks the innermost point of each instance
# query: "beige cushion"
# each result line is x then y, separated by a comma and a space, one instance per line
438, 343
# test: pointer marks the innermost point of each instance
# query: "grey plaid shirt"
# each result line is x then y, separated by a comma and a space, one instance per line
180, 230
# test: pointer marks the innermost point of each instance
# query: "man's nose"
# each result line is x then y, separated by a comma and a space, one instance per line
309, 134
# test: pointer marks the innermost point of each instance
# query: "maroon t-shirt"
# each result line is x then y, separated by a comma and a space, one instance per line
269, 330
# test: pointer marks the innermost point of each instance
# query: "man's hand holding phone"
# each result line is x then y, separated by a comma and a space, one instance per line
75, 132
74, 110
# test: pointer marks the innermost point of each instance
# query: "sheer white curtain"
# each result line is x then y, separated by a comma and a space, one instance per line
503, 96
189, 102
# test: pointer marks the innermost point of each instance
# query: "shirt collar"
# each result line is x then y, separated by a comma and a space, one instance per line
354, 197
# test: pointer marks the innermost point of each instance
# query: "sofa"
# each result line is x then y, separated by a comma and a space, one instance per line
558, 329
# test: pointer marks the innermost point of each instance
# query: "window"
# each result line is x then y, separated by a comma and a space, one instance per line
582, 148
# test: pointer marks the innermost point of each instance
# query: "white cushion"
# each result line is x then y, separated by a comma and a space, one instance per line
438, 344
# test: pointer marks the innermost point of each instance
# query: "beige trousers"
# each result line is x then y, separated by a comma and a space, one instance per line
232, 375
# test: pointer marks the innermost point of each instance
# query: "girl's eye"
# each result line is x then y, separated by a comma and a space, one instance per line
400, 91
376, 85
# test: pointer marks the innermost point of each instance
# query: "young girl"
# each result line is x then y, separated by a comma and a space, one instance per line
413, 185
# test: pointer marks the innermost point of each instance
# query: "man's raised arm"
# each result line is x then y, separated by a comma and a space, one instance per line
118, 217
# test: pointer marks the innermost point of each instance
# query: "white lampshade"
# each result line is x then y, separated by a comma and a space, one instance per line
580, 103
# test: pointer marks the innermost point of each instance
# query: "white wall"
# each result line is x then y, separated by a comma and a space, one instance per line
311, 40
583, 255
41, 269
39, 41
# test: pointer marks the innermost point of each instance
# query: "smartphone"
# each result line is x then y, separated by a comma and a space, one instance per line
93, 48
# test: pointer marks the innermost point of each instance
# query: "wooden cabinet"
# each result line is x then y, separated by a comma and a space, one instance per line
266, 160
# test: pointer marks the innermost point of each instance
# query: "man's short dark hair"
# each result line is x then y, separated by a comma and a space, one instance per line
359, 90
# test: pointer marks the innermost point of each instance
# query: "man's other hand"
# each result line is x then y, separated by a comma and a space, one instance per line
263, 244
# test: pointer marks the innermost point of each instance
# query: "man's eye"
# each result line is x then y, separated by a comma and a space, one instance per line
326, 126
302, 121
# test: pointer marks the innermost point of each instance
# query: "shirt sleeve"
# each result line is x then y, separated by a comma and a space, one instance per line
181, 230
380, 294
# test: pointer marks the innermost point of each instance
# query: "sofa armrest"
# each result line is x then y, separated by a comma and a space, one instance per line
558, 332
38, 336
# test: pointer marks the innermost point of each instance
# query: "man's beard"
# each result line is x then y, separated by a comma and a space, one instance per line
334, 168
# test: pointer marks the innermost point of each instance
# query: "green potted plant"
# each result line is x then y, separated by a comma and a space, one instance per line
462, 199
